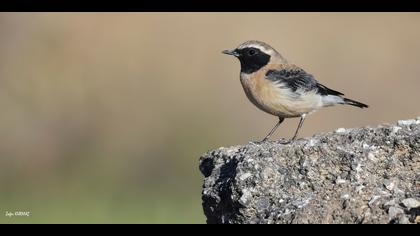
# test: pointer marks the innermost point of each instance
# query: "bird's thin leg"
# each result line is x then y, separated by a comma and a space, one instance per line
272, 130
302, 119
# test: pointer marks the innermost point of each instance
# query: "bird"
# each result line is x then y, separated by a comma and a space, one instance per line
280, 88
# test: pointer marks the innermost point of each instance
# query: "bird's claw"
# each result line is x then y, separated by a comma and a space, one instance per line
281, 141
285, 141
258, 142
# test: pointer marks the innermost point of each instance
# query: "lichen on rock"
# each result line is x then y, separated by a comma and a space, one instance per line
358, 175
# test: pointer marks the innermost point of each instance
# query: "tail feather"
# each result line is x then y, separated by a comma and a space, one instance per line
354, 103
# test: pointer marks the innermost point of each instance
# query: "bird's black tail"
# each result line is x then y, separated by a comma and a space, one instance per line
354, 103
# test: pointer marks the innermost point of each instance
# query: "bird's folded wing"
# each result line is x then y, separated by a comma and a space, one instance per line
298, 80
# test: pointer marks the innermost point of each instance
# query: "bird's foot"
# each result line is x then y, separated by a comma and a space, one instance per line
258, 142
285, 141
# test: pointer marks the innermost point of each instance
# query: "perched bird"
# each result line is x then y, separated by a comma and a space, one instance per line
279, 88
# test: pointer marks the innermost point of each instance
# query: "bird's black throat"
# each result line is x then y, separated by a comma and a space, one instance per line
251, 63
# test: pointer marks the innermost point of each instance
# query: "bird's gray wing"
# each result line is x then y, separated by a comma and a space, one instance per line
298, 80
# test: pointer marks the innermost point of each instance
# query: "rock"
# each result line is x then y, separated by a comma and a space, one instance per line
340, 130
359, 175
403, 220
389, 184
394, 213
411, 203
408, 122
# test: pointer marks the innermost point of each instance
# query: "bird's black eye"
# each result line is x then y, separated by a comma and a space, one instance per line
252, 52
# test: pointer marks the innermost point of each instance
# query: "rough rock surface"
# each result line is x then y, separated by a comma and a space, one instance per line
359, 175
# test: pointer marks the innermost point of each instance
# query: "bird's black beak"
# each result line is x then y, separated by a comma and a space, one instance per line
231, 52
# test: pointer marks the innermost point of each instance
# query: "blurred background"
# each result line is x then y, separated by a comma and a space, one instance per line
105, 115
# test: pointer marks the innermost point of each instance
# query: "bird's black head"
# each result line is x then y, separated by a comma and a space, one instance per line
251, 58
254, 55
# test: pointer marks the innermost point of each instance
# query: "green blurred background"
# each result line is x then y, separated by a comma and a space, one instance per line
105, 115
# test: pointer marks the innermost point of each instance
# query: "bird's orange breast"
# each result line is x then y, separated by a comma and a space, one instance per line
272, 98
